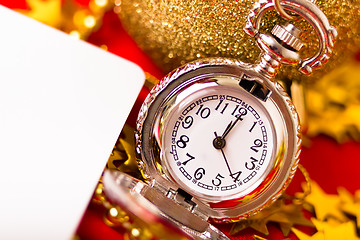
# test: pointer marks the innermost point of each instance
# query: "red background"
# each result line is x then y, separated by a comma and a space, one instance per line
330, 164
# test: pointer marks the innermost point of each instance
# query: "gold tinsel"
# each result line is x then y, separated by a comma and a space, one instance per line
174, 32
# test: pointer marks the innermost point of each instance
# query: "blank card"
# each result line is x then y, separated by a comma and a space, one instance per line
63, 103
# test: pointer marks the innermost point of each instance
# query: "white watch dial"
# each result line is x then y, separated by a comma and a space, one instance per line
218, 142
218, 138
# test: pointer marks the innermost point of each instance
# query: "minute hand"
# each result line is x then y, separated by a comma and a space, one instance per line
222, 152
232, 124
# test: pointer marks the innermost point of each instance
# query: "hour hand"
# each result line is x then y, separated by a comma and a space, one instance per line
219, 141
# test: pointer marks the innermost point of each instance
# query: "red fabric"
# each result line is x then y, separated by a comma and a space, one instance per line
120, 43
330, 164
14, 4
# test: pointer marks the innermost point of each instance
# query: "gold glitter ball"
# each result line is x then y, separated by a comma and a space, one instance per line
174, 32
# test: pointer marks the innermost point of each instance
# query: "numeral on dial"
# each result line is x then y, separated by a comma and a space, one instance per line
257, 143
192, 163
188, 160
188, 121
199, 173
236, 176
252, 166
252, 126
182, 142
204, 112
217, 181
242, 112
218, 106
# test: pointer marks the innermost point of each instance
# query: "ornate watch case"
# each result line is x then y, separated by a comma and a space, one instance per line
218, 138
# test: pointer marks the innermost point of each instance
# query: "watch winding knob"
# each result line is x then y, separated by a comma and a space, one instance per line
282, 46
289, 35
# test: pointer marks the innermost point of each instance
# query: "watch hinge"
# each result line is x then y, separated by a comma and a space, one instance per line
255, 88
184, 199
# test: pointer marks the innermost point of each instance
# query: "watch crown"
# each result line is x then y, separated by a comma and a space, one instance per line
289, 35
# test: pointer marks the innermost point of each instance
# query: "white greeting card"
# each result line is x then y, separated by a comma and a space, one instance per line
63, 103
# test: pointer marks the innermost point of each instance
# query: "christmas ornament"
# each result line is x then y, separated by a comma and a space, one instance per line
203, 117
303, 236
327, 231
333, 104
176, 32
256, 237
123, 157
349, 205
290, 215
331, 222
346, 231
286, 215
257, 222
325, 205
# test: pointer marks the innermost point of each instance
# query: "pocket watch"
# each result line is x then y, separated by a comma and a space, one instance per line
219, 139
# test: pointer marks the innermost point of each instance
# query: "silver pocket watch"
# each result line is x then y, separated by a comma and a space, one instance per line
219, 139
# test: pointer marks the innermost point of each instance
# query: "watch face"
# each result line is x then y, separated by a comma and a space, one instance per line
221, 135
218, 140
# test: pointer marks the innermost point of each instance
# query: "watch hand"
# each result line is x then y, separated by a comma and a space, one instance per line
232, 124
219, 142
222, 152
227, 129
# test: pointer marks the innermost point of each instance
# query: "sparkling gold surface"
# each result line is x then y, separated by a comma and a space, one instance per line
174, 32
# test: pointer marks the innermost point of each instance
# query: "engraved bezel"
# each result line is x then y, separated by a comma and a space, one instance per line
154, 112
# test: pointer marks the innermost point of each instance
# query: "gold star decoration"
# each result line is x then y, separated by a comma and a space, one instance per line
333, 105
256, 237
357, 196
345, 231
331, 222
257, 222
287, 215
349, 205
330, 231
325, 205
123, 157
303, 236
48, 12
